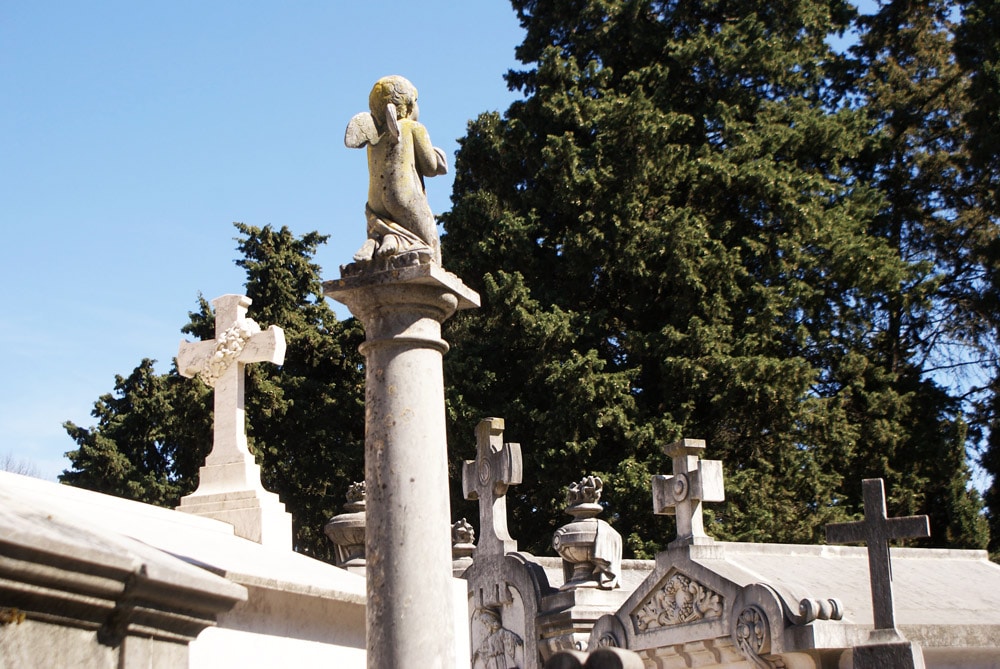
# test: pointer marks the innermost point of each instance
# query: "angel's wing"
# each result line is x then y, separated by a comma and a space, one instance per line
391, 122
360, 131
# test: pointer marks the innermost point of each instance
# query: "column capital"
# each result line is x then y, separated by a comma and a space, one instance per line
385, 282
403, 306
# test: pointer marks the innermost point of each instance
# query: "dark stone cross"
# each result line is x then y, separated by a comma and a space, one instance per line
876, 530
497, 466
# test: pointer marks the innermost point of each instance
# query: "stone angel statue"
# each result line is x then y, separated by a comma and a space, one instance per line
400, 155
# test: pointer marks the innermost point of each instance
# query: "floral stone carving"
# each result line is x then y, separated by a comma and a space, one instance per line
751, 631
678, 601
752, 635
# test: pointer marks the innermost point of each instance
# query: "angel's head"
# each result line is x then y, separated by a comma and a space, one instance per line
395, 90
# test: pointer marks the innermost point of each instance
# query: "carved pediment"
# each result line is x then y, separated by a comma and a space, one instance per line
679, 600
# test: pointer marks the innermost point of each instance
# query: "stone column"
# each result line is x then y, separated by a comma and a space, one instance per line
410, 617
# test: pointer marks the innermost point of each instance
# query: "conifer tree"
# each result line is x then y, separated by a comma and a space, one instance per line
978, 53
700, 221
305, 419
911, 87
672, 238
153, 432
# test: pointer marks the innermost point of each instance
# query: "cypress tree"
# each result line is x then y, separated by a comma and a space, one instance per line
673, 239
911, 87
977, 48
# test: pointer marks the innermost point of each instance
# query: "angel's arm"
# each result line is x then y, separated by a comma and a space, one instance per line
431, 161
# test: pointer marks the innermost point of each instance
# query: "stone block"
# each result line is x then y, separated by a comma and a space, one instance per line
900, 654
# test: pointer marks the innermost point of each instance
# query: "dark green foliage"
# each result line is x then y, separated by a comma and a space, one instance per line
919, 160
153, 433
305, 419
978, 53
675, 235
700, 221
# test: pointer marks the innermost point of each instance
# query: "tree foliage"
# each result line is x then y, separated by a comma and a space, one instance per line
153, 433
978, 53
698, 222
702, 219
305, 419
930, 331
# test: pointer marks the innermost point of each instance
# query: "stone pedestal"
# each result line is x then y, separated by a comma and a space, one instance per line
408, 534
567, 617
888, 648
255, 514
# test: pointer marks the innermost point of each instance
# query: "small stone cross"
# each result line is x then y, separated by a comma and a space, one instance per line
694, 481
876, 530
219, 363
497, 466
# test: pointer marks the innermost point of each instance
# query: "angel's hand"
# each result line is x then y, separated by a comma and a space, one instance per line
442, 162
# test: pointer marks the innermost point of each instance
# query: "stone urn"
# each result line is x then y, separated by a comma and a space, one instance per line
463, 545
347, 531
591, 549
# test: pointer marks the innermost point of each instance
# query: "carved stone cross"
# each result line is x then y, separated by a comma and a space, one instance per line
694, 481
876, 530
497, 466
219, 363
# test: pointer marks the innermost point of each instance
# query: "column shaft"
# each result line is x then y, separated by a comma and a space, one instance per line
410, 603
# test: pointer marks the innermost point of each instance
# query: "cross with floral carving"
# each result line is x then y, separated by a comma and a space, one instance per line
497, 466
694, 481
876, 530
219, 363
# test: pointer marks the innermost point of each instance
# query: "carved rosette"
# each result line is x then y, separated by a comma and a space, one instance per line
751, 630
347, 530
752, 634
608, 632
680, 600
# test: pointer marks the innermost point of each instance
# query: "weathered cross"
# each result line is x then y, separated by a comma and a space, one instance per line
694, 481
497, 466
219, 363
876, 530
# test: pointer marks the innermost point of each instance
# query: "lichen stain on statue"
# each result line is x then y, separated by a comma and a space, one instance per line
401, 227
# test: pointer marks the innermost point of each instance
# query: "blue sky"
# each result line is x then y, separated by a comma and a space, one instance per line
133, 134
